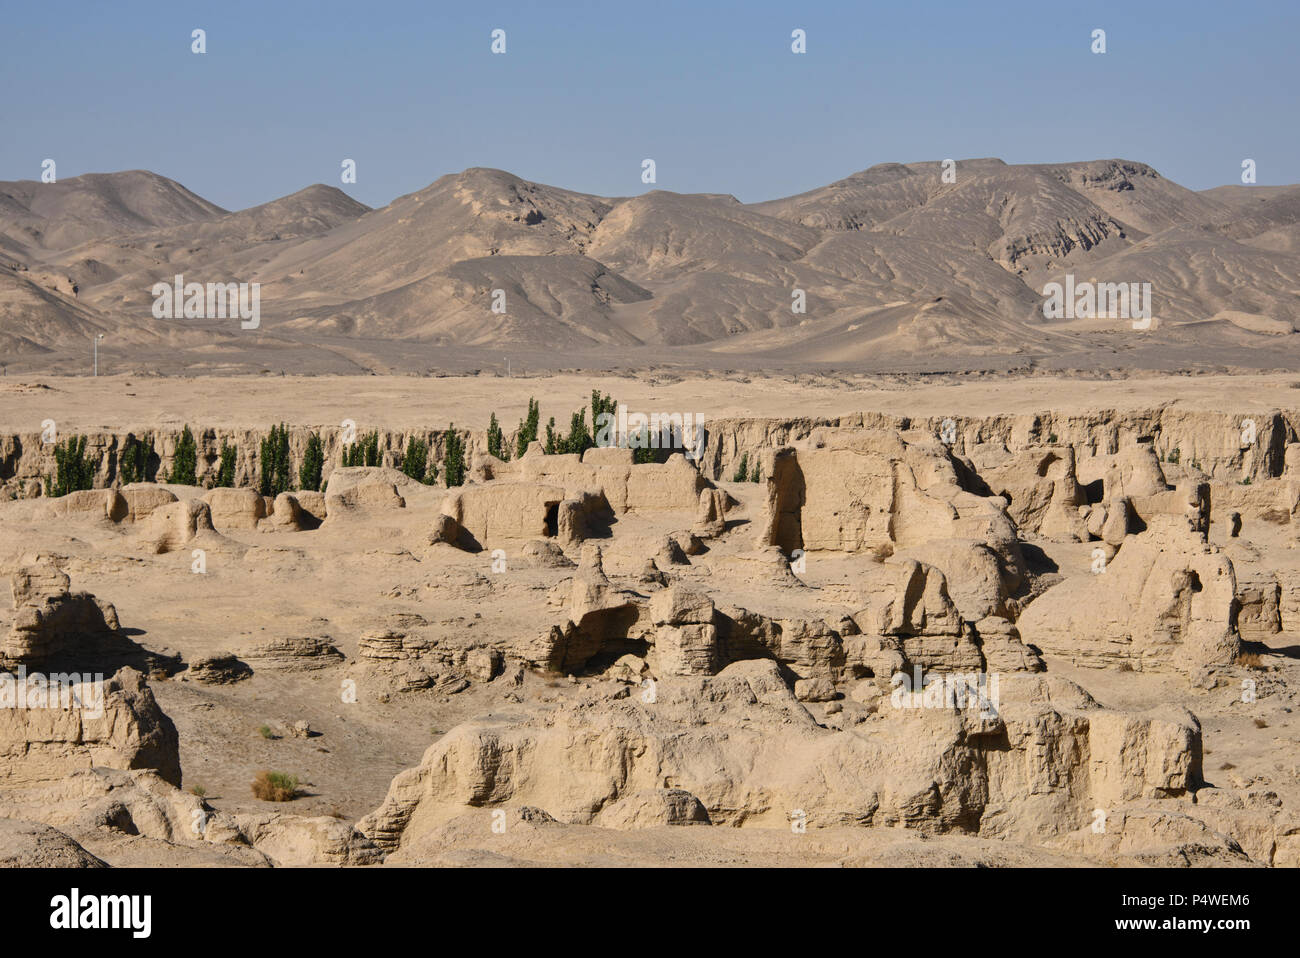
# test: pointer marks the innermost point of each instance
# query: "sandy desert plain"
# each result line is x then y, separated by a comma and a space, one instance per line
585, 660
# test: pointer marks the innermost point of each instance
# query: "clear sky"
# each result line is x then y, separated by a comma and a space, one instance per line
585, 91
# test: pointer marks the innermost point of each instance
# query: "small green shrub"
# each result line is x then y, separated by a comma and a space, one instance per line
642, 451
133, 461
496, 440
579, 438
602, 405
363, 453
226, 469
185, 462
72, 471
274, 462
742, 469
453, 459
415, 462
313, 461
528, 428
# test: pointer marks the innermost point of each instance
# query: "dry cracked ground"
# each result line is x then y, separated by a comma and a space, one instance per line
590, 660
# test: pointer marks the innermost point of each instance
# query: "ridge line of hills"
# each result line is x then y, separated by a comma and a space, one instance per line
897, 264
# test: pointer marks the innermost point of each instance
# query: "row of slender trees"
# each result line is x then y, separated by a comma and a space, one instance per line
276, 474
578, 439
73, 471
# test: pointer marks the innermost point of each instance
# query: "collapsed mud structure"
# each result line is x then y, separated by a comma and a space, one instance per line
1034, 639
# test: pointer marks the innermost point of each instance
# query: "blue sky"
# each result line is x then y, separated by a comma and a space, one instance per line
585, 91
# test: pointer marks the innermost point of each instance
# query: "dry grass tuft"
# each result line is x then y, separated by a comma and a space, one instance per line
275, 787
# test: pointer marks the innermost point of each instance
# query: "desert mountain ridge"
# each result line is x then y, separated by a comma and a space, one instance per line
900, 266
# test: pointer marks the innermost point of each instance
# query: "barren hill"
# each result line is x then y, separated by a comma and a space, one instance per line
54, 216
897, 264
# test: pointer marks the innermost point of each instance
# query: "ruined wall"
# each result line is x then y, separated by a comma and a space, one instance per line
1210, 441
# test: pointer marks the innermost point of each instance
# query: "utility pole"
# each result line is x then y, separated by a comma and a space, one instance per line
98, 337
